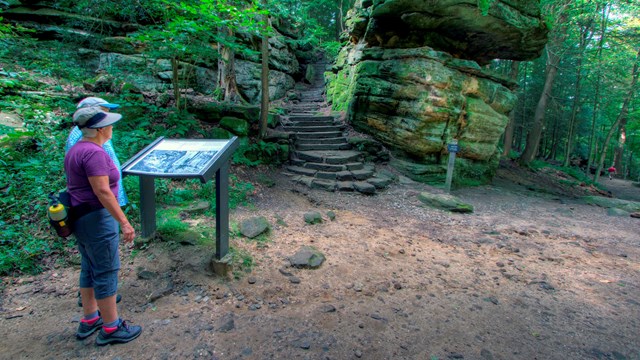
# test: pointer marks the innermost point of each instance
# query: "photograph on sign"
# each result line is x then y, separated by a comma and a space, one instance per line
179, 157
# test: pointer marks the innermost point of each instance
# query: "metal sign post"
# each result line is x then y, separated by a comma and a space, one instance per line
453, 149
182, 159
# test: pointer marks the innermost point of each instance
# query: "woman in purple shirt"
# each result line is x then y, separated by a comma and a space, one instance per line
92, 182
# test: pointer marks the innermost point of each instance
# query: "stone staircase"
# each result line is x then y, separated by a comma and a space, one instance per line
322, 157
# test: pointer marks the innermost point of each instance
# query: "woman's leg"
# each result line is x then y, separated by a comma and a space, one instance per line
108, 309
98, 239
89, 303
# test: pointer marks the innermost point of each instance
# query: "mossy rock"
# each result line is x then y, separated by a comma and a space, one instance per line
237, 126
307, 257
187, 237
445, 202
219, 133
626, 205
254, 226
312, 217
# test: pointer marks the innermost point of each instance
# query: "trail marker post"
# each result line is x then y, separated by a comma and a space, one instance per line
453, 148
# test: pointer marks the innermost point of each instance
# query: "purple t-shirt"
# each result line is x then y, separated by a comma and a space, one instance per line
87, 159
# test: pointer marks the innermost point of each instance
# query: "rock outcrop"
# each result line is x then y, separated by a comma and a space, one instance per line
113, 51
411, 79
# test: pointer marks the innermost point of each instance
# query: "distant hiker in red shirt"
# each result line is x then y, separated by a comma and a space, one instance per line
612, 171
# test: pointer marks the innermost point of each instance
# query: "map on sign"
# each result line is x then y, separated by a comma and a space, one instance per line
177, 157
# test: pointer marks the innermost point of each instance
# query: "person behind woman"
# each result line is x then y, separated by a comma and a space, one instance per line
76, 135
92, 182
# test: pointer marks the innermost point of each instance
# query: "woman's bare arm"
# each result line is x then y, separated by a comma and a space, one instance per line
100, 186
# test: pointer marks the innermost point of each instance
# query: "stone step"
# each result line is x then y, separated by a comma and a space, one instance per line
329, 167
298, 162
308, 147
306, 107
312, 91
380, 182
314, 129
302, 171
363, 174
317, 135
335, 140
311, 123
311, 118
331, 185
329, 156
305, 111
324, 167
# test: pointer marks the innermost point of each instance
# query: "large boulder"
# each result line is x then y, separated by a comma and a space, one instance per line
423, 100
29, 16
148, 74
411, 79
248, 76
510, 29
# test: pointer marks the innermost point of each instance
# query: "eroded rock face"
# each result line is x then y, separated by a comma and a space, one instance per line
511, 29
416, 99
112, 52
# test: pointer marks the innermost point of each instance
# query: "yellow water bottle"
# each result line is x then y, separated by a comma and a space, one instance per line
59, 218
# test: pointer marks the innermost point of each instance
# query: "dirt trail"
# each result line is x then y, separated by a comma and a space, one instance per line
528, 275
622, 189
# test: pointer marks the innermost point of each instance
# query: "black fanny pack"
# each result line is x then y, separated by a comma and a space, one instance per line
83, 209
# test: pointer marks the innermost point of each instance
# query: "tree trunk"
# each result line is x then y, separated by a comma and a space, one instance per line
585, 38
264, 78
508, 132
534, 135
554, 144
622, 139
621, 116
175, 80
627, 169
574, 114
341, 18
520, 127
227, 71
596, 98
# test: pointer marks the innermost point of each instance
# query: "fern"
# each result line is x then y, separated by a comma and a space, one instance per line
484, 6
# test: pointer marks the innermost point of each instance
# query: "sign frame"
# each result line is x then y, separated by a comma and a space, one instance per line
217, 165
206, 170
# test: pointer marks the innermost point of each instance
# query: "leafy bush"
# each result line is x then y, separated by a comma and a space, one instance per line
30, 167
260, 152
332, 48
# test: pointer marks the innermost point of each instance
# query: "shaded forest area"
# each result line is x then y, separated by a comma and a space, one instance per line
577, 104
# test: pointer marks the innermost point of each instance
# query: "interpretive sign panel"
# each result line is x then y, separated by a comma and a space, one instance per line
180, 159
176, 158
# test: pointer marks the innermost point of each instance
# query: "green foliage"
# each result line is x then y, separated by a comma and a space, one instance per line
47, 58
242, 262
142, 11
26, 177
171, 226
536, 165
180, 124
6, 83
332, 48
484, 6
256, 153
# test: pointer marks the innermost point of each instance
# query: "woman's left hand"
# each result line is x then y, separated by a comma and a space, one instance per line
128, 233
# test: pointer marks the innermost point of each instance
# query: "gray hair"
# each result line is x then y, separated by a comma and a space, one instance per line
89, 133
